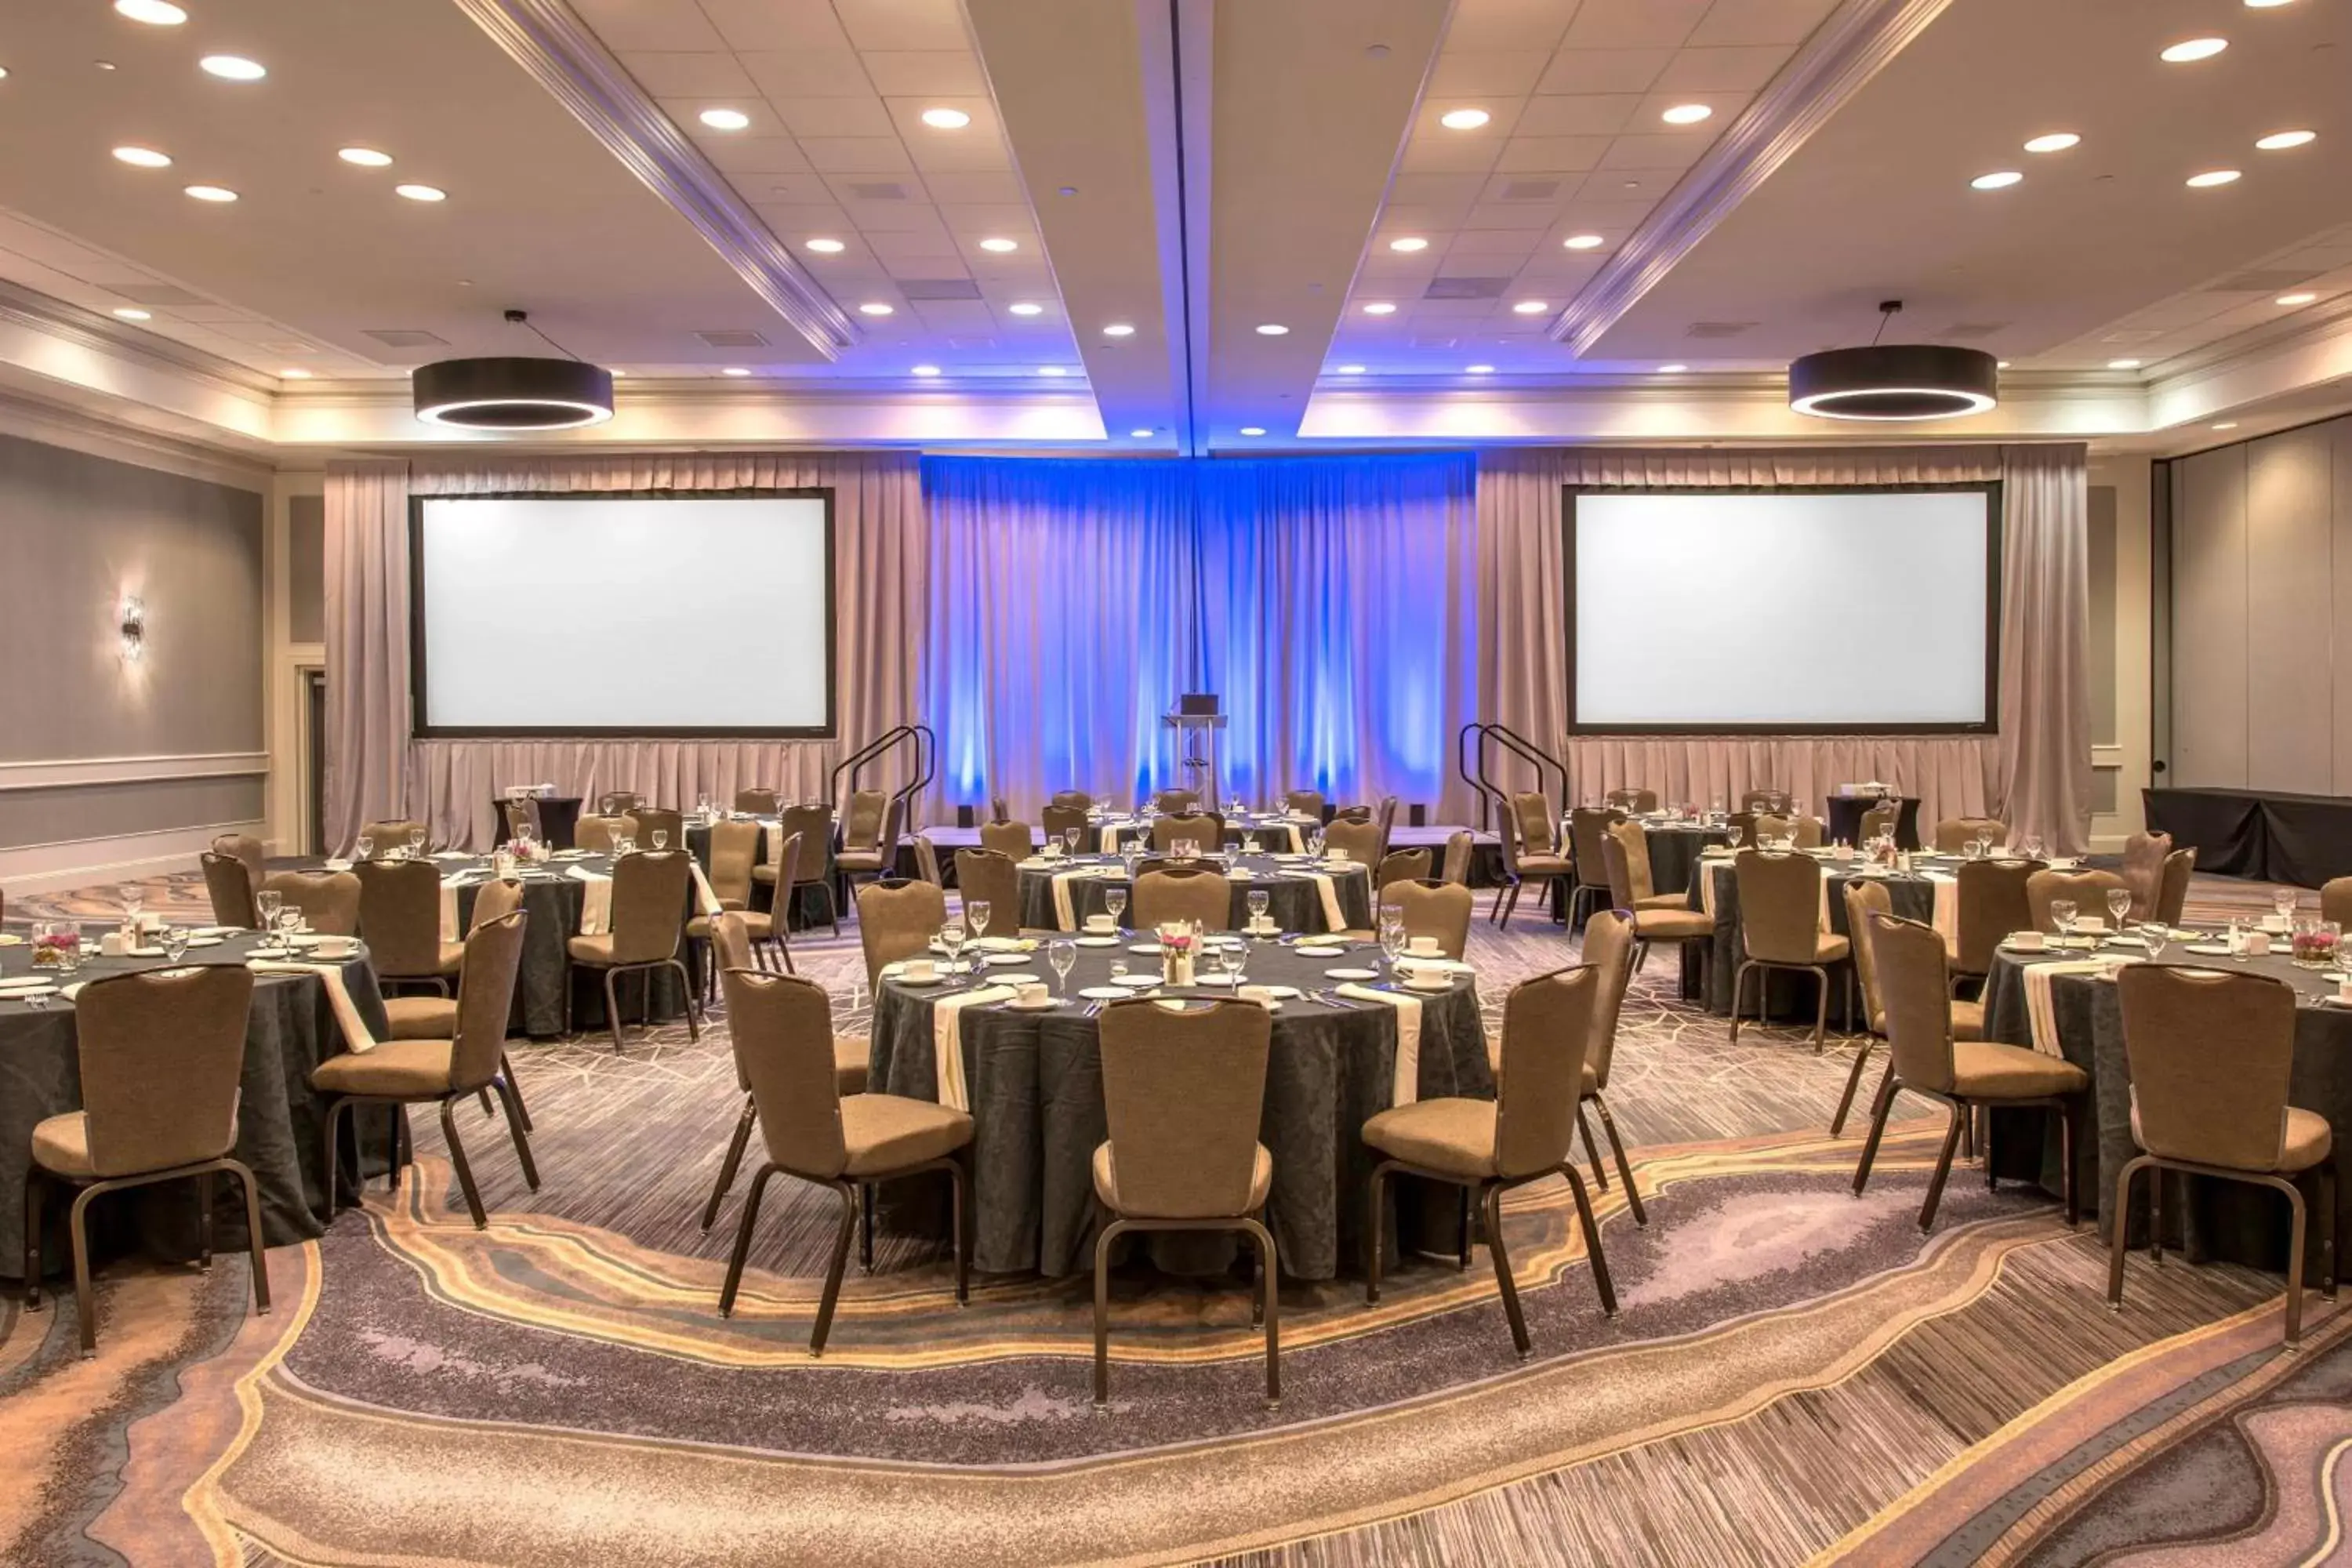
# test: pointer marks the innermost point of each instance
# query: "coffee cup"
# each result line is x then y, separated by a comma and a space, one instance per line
333, 947
112, 946
1426, 978
2343, 990
1261, 994
2258, 944
1031, 994
1422, 947
1100, 925
1337, 857
919, 969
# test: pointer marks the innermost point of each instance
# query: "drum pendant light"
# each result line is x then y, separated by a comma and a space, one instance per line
1895, 381
512, 394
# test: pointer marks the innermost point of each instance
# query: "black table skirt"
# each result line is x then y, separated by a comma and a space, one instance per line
1292, 902
1846, 813
1709, 970
2303, 839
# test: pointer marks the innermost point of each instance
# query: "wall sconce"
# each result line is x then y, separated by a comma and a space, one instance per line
134, 629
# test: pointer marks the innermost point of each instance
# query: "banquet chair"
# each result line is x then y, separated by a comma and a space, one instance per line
756, 802
998, 811
1528, 855
1060, 819
731, 948
1590, 876
2142, 872
435, 1017
734, 850
1954, 833
1865, 899
1608, 951
1461, 845
653, 819
1010, 839
329, 900
2088, 891
2212, 1053
927, 859
782, 1030
595, 834
648, 922
246, 848
1194, 892
988, 877
618, 802
2172, 895
1203, 827
231, 887
1781, 928
1966, 1075
1879, 819
1385, 814
1401, 865
1304, 803
1491, 1146
1359, 841
812, 825
400, 920
386, 837
1183, 1091
1992, 898
401, 1073
1633, 800
1763, 802
2336, 902
1352, 814
1076, 800
871, 856
896, 921
1657, 917
1176, 802
161, 1056
1440, 909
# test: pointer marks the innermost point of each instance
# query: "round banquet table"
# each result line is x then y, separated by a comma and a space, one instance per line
1674, 851
290, 1028
808, 907
1293, 902
1033, 1083
1277, 830
552, 897
1709, 970
2204, 1216
1846, 812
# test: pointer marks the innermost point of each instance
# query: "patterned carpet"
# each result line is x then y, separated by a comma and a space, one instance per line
1795, 1376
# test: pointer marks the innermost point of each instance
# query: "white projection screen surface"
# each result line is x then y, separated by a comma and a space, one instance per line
1824, 610
623, 616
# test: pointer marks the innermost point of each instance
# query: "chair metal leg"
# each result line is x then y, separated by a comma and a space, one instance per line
35, 1196
1852, 1083
1738, 995
2121, 1228
1492, 1206
2294, 1260
734, 1160
2327, 1228
1110, 1233
78, 1237
1885, 1102
334, 1178
865, 1227
517, 1127
686, 988
1469, 1234
483, 1096
1943, 1167
205, 1221
832, 1297
1376, 1221
465, 1170
611, 1007
1269, 1312
1602, 1283
1592, 1150
961, 1215
1624, 1168
254, 1247
2155, 1214
1821, 1007
514, 1087
742, 1240
398, 1117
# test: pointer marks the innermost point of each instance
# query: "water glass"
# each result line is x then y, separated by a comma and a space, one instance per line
951, 938
2118, 905
362, 848
134, 899
1258, 901
289, 921
2283, 900
175, 942
1115, 902
2061, 916
1221, 959
1117, 970
1070, 839
1972, 849
267, 904
2156, 933
1062, 954
1391, 944
661, 839
417, 841
624, 846
975, 915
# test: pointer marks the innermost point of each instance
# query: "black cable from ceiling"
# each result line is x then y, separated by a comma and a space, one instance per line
1184, 220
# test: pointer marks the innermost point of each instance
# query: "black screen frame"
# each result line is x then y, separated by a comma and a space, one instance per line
419, 729
1991, 724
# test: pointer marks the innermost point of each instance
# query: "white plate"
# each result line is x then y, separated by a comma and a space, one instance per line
205, 941
1351, 974
1135, 982
1318, 952
1098, 941
1004, 958
1102, 993
19, 993
2208, 949
2126, 941
1148, 949
1048, 1006
1019, 979
911, 980
23, 982
1213, 979
1283, 993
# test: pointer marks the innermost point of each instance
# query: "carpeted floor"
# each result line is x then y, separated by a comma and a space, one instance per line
1796, 1375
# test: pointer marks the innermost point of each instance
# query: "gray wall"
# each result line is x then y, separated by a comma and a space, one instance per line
2262, 614
76, 532
306, 569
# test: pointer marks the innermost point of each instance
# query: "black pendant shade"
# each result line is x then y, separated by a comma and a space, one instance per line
1895, 381
512, 394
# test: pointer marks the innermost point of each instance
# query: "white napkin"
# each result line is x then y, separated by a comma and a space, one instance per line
1406, 1086
356, 1037
1947, 908
1066, 916
2040, 1013
453, 855
448, 910
596, 900
1109, 839
947, 1040
1332, 917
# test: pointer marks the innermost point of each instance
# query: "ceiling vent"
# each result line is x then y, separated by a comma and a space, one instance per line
158, 294
732, 339
404, 337
2133, 335
1465, 288
2270, 280
1974, 329
971, 343
1720, 329
938, 287
1530, 190
877, 191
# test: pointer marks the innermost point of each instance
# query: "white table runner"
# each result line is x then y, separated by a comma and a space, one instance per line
1405, 1088
1329, 893
356, 1034
1066, 917
596, 897
947, 1040
2041, 1012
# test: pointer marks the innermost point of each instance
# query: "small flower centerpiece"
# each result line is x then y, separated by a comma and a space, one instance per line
56, 944
2314, 942
1176, 944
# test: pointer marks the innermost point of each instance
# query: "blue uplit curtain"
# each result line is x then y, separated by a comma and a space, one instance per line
1329, 602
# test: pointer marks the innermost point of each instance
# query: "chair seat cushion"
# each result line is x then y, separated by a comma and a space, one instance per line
1670, 925
859, 860
1545, 866
763, 874
395, 1070
1452, 1137
1107, 1184
852, 1058
1986, 1070
422, 1017
885, 1132
1967, 1021
2307, 1140
1828, 949
1662, 902
757, 927
61, 1144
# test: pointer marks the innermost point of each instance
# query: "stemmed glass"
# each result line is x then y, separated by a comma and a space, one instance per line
661, 839
951, 937
1115, 902
1731, 840
1070, 839
624, 846
1238, 960
2118, 905
415, 842
1258, 899
364, 847
2155, 934
1221, 962
975, 915
2061, 916
175, 942
1061, 952
134, 899
1391, 941
2031, 848
266, 904
2283, 900
289, 921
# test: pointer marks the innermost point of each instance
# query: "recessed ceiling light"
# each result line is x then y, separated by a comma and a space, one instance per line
1998, 179
1253, 429
211, 193
924, 369
1464, 118
1000, 245
422, 193
2280, 141
1026, 309
1687, 114
1051, 369
725, 118
826, 246
2001, 364
2263, 4
877, 308
4, 73
2056, 142
1379, 307
1583, 242
2226, 425
1478, 369
946, 118
1409, 244
2211, 178
1672, 369
1531, 308
294, 373
2193, 50
2125, 363
144, 157
1271, 330
736, 370
154, 13
616, 373
365, 157
1352, 370
2300, 297
1119, 329
132, 313
233, 68
1140, 435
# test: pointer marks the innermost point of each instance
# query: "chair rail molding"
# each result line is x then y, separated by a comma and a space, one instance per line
89, 862
78, 772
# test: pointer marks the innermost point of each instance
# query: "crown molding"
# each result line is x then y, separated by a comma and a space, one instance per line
2309, 325
55, 424
70, 323
1848, 49
566, 58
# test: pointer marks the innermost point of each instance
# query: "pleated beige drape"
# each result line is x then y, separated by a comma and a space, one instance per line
376, 771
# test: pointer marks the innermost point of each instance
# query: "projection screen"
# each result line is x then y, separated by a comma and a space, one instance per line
636, 614
1820, 610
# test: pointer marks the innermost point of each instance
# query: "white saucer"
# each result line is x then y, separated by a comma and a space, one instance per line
1102, 993
21, 993
1351, 974
1304, 950
1021, 979
2208, 949
911, 980
1148, 949
1098, 941
1048, 1006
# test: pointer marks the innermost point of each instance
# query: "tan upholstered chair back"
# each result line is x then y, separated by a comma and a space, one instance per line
1991, 905
329, 900
1176, 802
162, 1055
1183, 893
1531, 815
2172, 896
756, 802
1756, 801
1779, 906
815, 826
1460, 845
1586, 829
1308, 801
1865, 899
1629, 863
2334, 901
1440, 909
2210, 1053
246, 848
898, 919
1201, 827
595, 834
1633, 799
1401, 866
486, 1000
649, 904
1955, 833
616, 802
653, 819
1768, 825
734, 851
1183, 1092
927, 859
894, 823
986, 875
386, 837
731, 942
2087, 890
1879, 819
231, 887
494, 900
400, 915
783, 1029
1076, 800
1010, 839
1359, 840
791, 850
1385, 814
862, 828
2143, 870
1352, 814
1546, 1024
1060, 819
1609, 954
1915, 985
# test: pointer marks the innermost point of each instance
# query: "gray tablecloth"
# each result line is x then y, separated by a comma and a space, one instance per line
1708, 971
1293, 901
552, 900
290, 1030
1674, 851
2206, 1217
1036, 1090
